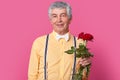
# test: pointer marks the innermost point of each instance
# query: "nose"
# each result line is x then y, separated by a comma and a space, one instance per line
59, 19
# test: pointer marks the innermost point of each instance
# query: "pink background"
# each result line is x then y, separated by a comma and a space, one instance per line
21, 21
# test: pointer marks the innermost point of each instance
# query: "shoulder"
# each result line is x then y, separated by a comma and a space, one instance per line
39, 41
80, 41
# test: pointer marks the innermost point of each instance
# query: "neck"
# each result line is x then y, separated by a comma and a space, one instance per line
62, 33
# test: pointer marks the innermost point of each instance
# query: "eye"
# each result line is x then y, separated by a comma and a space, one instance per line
54, 16
63, 15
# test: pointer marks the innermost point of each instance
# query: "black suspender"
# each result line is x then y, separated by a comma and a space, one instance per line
74, 65
45, 57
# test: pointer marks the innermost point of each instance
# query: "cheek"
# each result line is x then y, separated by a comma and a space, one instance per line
67, 23
53, 21
66, 20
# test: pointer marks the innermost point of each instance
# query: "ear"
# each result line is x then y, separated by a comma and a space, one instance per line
50, 20
70, 20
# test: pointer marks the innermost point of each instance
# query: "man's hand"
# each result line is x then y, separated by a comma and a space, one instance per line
84, 61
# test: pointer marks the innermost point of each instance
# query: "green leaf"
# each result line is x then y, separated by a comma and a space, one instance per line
69, 51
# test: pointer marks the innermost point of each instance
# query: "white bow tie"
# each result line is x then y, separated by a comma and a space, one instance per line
66, 36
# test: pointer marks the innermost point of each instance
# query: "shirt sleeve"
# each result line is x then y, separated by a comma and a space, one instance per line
33, 63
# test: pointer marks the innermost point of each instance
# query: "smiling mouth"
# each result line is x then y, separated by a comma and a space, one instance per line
60, 25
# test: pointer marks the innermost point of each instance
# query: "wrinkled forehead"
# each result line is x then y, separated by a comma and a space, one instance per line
58, 10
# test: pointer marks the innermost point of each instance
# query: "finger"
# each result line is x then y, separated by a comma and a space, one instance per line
84, 62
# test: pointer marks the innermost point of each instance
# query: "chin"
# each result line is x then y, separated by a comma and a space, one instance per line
60, 30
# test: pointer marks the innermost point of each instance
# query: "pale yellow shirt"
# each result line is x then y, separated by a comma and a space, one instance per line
59, 63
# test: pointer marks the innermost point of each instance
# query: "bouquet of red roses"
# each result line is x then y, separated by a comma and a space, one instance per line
82, 52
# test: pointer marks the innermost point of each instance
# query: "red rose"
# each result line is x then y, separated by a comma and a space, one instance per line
86, 36
81, 35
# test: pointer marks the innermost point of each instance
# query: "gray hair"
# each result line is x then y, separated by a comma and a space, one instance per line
60, 4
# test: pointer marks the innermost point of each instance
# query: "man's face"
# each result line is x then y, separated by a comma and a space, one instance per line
60, 20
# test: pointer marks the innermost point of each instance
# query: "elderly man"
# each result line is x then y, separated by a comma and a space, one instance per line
48, 60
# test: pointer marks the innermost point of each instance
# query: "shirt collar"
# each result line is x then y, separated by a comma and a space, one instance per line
58, 36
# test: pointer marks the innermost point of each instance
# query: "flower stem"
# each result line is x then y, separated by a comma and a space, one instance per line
80, 75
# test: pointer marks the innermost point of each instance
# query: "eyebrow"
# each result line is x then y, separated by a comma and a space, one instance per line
56, 14
53, 14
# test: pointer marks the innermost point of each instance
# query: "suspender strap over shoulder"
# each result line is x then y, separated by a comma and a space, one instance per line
74, 65
45, 57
